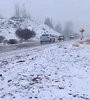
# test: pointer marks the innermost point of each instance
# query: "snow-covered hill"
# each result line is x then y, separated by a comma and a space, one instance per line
9, 26
58, 72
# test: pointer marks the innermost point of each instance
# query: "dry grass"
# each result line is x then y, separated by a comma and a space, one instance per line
87, 41
76, 45
81, 42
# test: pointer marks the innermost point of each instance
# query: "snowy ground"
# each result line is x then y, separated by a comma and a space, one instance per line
58, 72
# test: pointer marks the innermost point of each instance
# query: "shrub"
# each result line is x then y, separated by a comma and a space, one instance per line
76, 45
12, 41
1, 38
25, 34
81, 42
18, 33
87, 41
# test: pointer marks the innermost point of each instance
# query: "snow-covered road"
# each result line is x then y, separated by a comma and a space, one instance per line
58, 72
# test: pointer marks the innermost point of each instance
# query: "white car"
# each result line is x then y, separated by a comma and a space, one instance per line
47, 38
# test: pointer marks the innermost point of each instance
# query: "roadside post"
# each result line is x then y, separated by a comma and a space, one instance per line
82, 31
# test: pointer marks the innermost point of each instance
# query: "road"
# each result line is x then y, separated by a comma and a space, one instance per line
10, 47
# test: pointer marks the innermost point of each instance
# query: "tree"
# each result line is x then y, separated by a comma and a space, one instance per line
17, 11
25, 14
49, 23
25, 34
1, 16
58, 28
68, 30
21, 12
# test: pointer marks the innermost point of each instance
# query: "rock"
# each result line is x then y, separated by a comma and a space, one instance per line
0, 75
61, 87
9, 81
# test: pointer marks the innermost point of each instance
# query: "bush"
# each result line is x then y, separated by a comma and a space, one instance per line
19, 33
25, 34
76, 45
87, 41
12, 41
1, 38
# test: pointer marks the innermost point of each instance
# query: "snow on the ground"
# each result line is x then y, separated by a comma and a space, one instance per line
9, 26
59, 72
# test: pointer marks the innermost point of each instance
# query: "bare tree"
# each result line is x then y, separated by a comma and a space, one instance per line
25, 14
58, 28
49, 23
21, 12
68, 30
17, 10
0, 16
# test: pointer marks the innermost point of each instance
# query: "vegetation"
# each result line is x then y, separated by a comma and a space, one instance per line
25, 34
58, 28
49, 23
21, 11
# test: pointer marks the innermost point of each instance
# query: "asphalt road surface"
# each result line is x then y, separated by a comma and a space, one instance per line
10, 47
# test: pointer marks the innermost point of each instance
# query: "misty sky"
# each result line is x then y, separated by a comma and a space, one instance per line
60, 11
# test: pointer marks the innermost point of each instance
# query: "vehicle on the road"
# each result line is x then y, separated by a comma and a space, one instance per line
61, 38
71, 37
47, 38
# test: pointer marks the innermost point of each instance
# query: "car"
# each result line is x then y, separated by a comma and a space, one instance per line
47, 38
60, 38
71, 37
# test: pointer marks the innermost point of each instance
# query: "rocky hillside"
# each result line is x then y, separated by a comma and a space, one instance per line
9, 26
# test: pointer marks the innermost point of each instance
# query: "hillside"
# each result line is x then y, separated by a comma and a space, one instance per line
9, 26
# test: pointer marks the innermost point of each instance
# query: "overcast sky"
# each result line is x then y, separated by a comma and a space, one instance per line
61, 11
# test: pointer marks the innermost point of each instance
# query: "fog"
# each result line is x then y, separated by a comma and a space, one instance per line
60, 11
